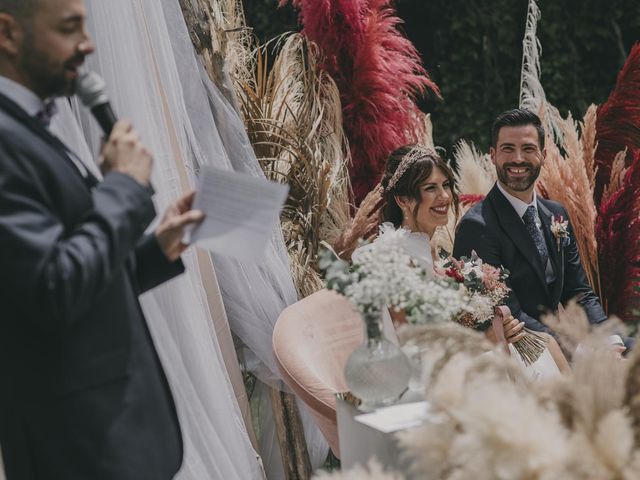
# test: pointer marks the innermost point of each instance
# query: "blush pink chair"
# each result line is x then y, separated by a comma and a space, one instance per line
312, 340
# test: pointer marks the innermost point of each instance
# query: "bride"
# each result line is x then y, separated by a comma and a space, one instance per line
419, 193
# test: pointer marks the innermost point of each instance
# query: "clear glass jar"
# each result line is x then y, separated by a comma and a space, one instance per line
377, 372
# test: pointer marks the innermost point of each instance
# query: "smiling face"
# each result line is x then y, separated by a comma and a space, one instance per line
49, 47
435, 203
518, 160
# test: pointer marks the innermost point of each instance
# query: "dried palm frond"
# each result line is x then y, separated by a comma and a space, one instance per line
294, 122
476, 173
565, 180
618, 121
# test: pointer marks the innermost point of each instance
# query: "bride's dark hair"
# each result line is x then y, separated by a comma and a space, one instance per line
422, 161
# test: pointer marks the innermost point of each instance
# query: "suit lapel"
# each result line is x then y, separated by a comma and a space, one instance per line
556, 256
36, 128
517, 231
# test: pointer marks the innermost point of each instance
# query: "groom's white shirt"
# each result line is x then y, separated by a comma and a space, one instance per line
521, 207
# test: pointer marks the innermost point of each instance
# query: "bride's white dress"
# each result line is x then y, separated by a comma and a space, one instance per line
418, 246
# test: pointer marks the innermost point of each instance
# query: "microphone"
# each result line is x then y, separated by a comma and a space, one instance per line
90, 88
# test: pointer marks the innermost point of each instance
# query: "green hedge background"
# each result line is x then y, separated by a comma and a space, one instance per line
473, 50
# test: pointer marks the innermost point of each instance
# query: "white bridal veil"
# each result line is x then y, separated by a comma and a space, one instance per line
154, 78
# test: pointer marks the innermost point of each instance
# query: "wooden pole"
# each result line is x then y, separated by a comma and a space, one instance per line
295, 457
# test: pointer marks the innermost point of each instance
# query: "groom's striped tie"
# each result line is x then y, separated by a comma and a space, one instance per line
529, 218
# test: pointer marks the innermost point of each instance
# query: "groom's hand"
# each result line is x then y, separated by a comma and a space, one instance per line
171, 229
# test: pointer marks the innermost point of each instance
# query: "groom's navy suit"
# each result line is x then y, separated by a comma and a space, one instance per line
83, 394
499, 236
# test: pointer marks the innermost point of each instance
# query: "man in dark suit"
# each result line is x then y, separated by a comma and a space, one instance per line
84, 395
512, 227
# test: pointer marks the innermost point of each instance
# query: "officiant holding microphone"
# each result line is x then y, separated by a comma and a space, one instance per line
84, 395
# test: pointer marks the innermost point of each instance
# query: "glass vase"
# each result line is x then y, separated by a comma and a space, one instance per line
377, 372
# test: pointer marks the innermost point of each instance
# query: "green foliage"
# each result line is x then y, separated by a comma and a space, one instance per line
473, 50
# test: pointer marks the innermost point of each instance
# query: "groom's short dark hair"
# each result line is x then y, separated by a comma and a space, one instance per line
516, 118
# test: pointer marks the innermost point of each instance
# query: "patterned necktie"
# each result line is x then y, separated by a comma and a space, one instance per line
45, 115
529, 218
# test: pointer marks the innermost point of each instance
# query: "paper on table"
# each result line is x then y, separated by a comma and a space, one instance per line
241, 212
396, 417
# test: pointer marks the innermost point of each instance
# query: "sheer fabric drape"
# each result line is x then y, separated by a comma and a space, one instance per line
154, 78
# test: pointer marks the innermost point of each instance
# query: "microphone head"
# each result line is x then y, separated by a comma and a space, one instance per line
90, 88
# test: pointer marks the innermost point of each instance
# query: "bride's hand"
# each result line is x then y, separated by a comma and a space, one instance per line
513, 329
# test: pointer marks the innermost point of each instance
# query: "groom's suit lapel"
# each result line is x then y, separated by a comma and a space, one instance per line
556, 257
517, 231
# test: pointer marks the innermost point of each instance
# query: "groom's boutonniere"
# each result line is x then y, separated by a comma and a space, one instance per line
559, 228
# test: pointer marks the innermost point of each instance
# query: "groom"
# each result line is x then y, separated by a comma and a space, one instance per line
512, 227
84, 395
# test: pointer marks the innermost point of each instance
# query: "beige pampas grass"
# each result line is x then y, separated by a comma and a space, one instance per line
565, 180
488, 422
589, 144
476, 173
618, 171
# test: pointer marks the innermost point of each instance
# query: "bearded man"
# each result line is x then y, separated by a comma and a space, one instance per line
84, 395
511, 227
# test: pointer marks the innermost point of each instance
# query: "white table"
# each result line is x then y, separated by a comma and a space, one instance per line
359, 443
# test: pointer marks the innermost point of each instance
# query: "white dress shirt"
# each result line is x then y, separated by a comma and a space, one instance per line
521, 207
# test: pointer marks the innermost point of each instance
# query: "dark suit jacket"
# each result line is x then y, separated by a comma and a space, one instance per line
83, 393
498, 235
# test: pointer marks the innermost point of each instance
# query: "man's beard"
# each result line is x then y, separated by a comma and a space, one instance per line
48, 79
518, 184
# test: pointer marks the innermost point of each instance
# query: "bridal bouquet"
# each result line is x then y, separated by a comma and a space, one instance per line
485, 287
384, 275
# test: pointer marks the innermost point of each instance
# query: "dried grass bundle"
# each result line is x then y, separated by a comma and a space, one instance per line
293, 117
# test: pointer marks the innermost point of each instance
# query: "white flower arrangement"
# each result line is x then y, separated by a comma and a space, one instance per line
384, 275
